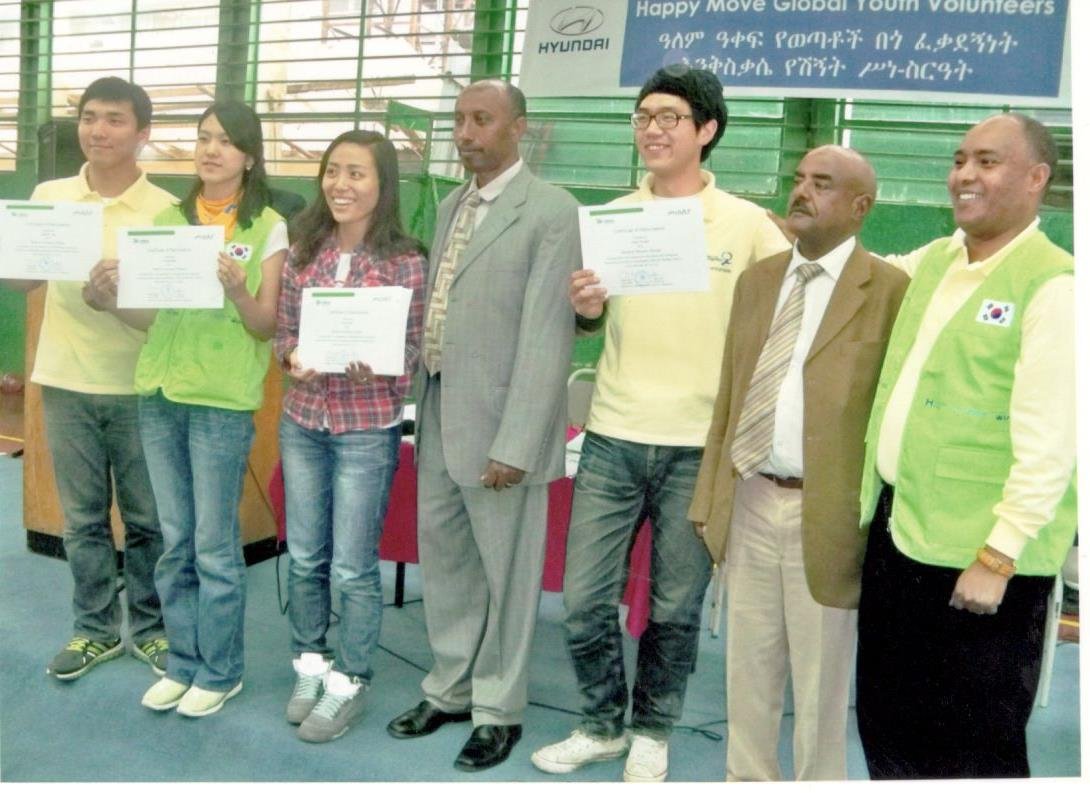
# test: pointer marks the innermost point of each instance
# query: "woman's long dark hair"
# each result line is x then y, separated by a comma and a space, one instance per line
243, 129
385, 235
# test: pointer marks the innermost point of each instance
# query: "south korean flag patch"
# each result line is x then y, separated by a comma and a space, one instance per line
995, 312
239, 253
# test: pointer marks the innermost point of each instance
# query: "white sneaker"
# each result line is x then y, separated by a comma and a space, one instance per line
199, 702
646, 760
164, 695
577, 750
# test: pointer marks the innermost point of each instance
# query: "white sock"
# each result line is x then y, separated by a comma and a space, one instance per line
340, 684
311, 664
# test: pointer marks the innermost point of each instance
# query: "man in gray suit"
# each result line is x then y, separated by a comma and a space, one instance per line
491, 397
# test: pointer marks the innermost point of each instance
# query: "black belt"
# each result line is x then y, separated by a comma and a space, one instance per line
790, 482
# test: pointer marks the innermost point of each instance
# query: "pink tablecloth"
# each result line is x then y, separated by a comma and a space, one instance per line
637, 593
398, 543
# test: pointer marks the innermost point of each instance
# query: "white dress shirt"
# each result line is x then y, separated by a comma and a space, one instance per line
785, 458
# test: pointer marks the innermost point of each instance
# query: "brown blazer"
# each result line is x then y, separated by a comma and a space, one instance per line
840, 375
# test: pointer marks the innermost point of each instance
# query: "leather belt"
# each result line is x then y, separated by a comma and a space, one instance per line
790, 482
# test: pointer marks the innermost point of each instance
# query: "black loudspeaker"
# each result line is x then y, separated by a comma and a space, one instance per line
59, 154
287, 203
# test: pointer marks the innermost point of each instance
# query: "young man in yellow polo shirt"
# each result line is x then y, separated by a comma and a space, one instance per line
652, 406
85, 363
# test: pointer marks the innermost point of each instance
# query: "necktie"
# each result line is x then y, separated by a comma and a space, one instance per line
753, 438
448, 262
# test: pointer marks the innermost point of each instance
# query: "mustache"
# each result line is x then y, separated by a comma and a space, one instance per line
801, 205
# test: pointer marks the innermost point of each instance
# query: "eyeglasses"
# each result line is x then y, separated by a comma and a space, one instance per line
667, 119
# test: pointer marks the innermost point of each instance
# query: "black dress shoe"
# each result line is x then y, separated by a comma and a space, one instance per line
424, 719
489, 745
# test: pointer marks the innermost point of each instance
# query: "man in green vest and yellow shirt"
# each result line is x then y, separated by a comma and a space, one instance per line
969, 474
84, 364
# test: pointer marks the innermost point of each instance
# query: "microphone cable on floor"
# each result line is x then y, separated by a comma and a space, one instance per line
698, 729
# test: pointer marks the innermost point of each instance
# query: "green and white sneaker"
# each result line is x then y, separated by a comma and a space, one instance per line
80, 654
340, 707
153, 652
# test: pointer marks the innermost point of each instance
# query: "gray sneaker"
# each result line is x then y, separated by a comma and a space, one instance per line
304, 697
340, 707
310, 670
80, 655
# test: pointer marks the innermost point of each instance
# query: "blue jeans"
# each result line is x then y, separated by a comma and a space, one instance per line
197, 459
336, 489
619, 483
95, 438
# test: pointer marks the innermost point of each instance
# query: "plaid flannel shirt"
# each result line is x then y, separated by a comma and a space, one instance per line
332, 400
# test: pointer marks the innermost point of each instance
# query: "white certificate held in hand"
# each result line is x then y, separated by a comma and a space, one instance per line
338, 326
648, 248
49, 242
169, 267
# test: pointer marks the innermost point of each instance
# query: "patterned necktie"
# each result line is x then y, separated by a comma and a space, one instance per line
753, 438
437, 307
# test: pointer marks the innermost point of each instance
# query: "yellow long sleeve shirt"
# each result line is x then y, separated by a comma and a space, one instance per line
1042, 407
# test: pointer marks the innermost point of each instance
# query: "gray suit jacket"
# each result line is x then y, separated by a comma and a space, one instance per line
508, 334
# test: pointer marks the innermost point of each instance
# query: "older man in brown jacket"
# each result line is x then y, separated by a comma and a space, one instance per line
778, 490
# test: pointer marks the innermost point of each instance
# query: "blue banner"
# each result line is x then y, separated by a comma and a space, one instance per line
993, 47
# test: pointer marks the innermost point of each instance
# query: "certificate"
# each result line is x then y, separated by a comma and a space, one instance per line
338, 326
648, 248
169, 267
49, 242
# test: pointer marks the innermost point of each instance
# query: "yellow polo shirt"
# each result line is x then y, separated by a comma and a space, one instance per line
80, 349
659, 371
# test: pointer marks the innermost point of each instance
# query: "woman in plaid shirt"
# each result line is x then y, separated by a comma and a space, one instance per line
340, 433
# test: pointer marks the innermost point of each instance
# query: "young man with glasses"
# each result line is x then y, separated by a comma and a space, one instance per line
656, 385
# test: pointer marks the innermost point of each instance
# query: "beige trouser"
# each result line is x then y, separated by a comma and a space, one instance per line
772, 621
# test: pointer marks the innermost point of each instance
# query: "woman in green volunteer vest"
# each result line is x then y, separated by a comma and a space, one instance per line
200, 377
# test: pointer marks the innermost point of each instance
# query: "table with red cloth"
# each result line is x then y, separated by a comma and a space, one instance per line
398, 543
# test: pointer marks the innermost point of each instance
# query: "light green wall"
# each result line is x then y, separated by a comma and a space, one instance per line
12, 337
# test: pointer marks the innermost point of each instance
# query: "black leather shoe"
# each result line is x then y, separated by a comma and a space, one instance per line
424, 719
489, 745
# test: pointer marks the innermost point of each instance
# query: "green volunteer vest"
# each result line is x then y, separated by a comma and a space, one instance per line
206, 356
956, 448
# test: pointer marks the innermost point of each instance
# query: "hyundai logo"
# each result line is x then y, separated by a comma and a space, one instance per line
577, 21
